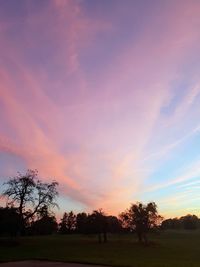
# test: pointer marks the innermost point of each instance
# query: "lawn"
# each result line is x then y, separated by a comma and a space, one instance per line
169, 249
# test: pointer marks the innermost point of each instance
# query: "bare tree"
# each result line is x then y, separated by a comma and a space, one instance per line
29, 194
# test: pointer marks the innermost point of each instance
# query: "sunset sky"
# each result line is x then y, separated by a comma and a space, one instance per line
104, 97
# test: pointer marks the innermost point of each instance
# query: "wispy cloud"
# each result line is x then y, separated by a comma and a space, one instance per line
84, 105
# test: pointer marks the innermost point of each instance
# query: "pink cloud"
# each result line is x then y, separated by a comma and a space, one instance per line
91, 138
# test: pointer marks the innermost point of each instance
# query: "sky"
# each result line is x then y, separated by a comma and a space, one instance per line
104, 97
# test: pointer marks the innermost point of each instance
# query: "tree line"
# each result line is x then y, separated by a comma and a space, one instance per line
29, 204
188, 222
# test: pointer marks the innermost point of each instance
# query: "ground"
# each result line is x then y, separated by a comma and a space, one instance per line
168, 249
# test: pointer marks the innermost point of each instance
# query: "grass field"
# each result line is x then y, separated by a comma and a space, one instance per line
169, 249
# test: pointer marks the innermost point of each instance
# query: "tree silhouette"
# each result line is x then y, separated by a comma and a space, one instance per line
29, 194
141, 218
113, 224
82, 223
45, 224
9, 221
174, 224
97, 221
187, 222
68, 223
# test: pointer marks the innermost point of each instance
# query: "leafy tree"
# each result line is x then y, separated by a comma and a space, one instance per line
9, 221
141, 218
189, 222
114, 224
82, 223
45, 224
29, 194
173, 224
68, 223
97, 222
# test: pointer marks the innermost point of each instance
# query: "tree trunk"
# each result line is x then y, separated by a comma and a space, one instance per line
99, 238
139, 234
105, 237
145, 239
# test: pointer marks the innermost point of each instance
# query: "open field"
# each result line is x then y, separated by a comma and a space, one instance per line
170, 249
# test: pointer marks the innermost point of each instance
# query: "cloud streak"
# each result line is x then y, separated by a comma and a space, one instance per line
86, 106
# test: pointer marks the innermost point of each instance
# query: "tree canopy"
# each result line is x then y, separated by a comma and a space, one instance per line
141, 218
29, 195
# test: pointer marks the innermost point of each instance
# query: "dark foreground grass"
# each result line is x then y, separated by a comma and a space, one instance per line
169, 249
